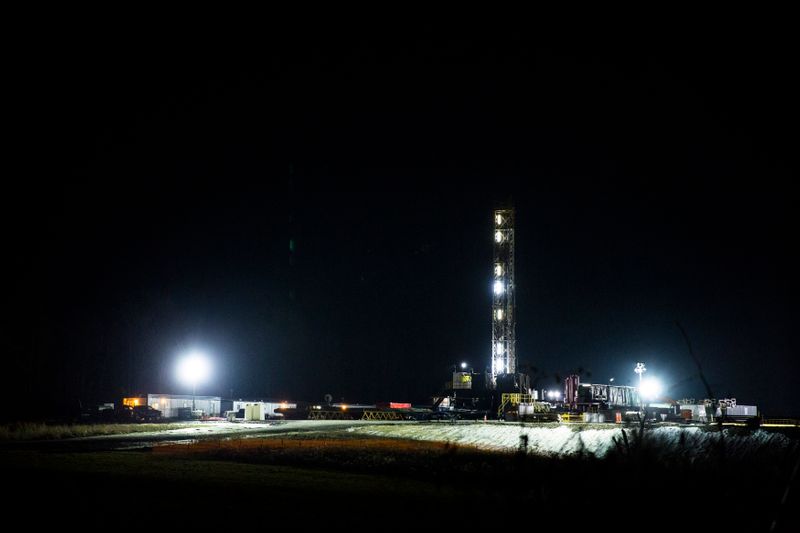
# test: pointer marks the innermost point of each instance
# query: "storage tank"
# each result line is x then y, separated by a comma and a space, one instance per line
254, 411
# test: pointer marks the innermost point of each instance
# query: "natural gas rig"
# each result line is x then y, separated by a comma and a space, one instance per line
502, 391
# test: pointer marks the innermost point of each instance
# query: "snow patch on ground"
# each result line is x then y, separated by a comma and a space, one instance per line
570, 440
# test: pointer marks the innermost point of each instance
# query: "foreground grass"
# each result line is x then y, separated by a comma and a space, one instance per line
464, 477
354, 453
37, 431
379, 483
140, 489
135, 467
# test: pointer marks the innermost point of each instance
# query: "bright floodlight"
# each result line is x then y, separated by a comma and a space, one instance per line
498, 236
463, 365
498, 287
650, 389
193, 369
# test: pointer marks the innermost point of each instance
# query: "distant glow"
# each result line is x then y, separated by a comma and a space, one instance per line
498, 219
463, 365
499, 287
499, 348
498, 236
344, 407
498, 270
193, 369
498, 314
650, 389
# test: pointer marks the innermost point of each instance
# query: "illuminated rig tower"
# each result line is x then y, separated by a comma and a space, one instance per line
504, 354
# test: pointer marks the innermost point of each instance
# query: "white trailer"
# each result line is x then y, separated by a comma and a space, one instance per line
169, 404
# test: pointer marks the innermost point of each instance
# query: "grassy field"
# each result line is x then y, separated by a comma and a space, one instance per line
322, 479
38, 431
146, 489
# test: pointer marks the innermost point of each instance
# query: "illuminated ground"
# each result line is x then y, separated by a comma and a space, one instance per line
543, 439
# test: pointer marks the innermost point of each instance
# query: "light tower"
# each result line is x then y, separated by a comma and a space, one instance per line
504, 353
640, 369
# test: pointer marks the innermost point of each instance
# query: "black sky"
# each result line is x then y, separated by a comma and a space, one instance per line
163, 185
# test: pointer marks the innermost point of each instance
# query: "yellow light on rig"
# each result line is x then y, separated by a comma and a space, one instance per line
344, 407
498, 314
498, 270
498, 219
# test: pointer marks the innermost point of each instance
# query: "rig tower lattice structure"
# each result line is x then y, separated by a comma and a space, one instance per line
504, 353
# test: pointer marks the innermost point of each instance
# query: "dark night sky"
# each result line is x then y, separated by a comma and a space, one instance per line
652, 178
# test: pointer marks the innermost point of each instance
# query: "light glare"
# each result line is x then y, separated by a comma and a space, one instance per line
651, 389
193, 369
499, 288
